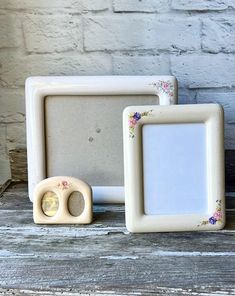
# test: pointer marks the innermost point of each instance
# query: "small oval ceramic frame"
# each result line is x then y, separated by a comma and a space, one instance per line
63, 187
174, 168
76, 92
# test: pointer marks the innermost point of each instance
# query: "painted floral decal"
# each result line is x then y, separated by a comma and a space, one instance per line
133, 119
63, 185
217, 216
165, 87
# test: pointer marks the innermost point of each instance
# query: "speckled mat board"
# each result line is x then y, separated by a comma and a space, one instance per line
174, 168
74, 127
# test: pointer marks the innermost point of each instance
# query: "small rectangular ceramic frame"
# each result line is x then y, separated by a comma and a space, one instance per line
207, 116
38, 88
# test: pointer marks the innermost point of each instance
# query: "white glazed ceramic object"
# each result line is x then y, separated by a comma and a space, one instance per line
40, 88
62, 188
174, 168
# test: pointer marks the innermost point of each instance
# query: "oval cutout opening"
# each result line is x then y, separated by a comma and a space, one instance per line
50, 203
76, 203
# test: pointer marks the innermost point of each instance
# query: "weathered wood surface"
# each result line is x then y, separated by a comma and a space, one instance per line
4, 186
103, 258
18, 160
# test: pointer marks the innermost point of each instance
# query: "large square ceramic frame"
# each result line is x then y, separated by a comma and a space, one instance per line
38, 88
209, 114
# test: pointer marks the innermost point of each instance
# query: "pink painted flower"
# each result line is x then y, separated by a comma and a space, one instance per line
165, 85
132, 122
65, 183
217, 215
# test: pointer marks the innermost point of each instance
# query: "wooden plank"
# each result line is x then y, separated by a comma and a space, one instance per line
4, 186
157, 291
18, 160
62, 241
120, 274
103, 258
36, 257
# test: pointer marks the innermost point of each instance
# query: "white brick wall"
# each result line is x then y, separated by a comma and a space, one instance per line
204, 70
201, 5
140, 65
219, 35
193, 40
10, 31
141, 32
141, 6
48, 34
15, 69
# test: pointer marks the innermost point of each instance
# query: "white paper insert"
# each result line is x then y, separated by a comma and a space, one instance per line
174, 168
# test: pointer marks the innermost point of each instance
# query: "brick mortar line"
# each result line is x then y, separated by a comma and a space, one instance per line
72, 11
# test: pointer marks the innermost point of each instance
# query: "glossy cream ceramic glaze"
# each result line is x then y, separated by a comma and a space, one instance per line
63, 187
172, 211
38, 88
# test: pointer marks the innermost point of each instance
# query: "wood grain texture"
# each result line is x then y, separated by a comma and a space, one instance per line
18, 159
157, 291
103, 258
18, 162
4, 186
